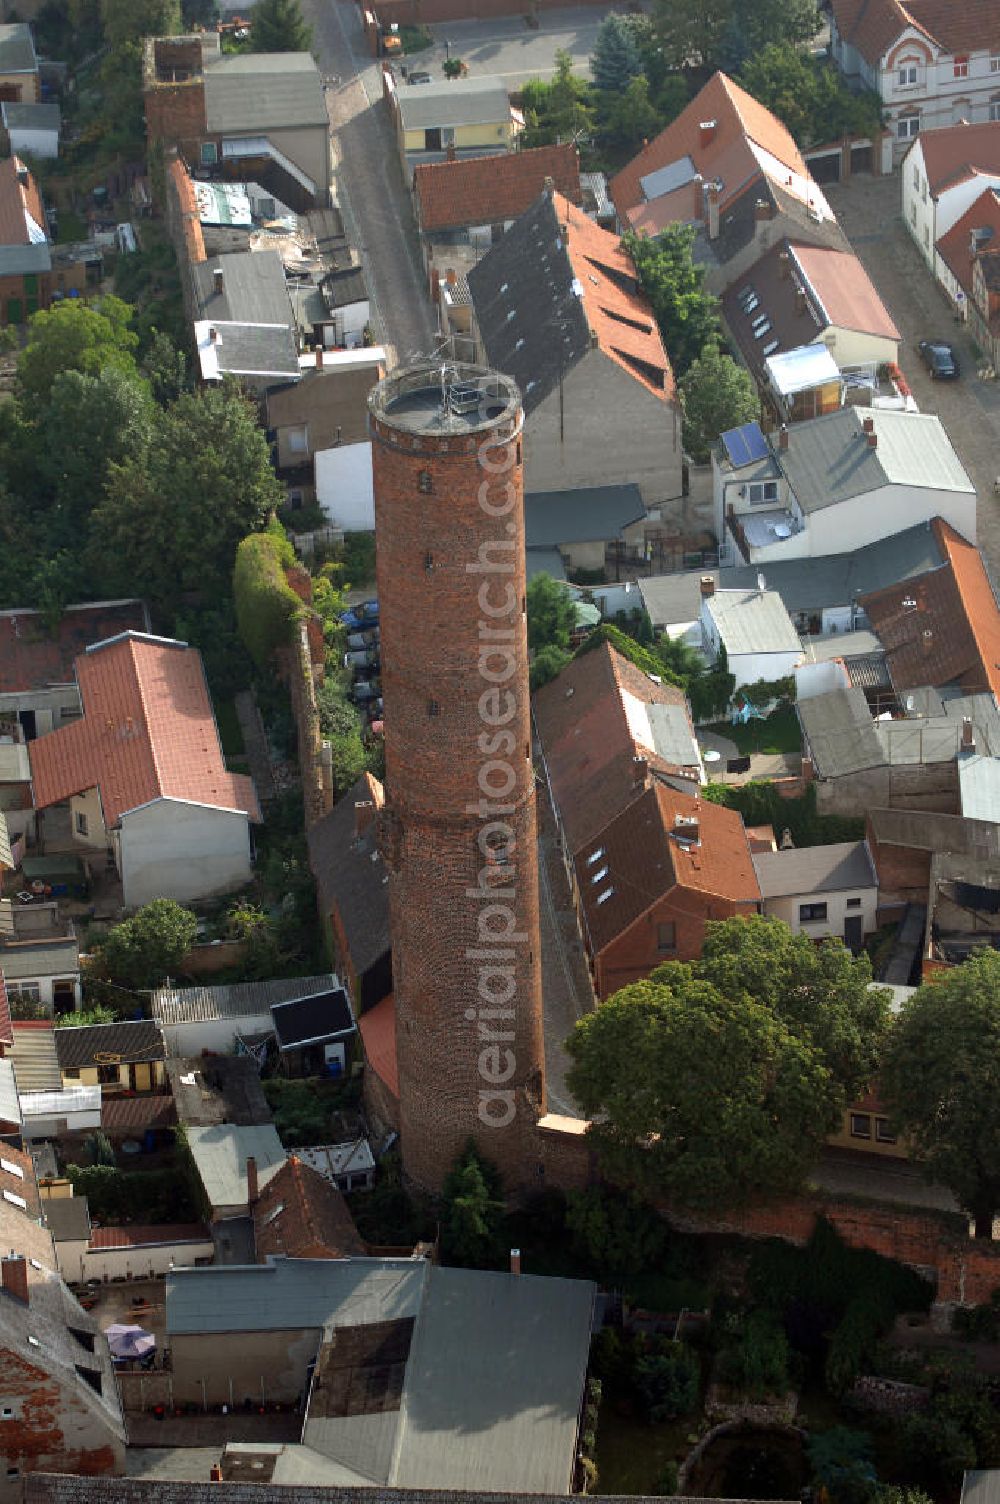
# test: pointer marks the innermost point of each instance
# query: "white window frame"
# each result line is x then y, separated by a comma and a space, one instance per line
32, 991
907, 76
960, 66
762, 492
994, 107
995, 62
907, 127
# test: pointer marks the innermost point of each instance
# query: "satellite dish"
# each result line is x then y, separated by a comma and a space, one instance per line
712, 756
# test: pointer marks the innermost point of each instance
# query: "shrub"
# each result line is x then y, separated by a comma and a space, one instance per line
853, 1344
616, 1234
665, 1380
761, 804
757, 1361
134, 1195
266, 605
842, 1465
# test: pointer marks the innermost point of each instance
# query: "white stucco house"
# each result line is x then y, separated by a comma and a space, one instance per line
344, 486
834, 484
755, 629
943, 173
821, 891
143, 775
931, 64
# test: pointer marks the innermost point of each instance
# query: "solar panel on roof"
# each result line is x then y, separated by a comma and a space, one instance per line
745, 444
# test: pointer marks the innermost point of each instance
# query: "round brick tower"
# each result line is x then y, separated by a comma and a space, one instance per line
458, 831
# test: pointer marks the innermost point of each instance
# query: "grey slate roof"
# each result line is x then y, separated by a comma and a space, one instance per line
260, 91
17, 49
528, 275
828, 459
342, 288
186, 1005
18, 260
133, 1041
589, 514
350, 877
462, 101
544, 561
257, 350
220, 1154
814, 869
253, 288
31, 117
803, 584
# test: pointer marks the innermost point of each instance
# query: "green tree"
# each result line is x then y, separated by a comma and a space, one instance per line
692, 33
665, 1380
629, 117
127, 21
165, 368
558, 111
141, 951
546, 665
716, 394
729, 1083
74, 336
615, 61
760, 22
686, 312
279, 26
551, 613
940, 1080
617, 1234
349, 759
841, 1460
472, 1211
90, 422
810, 98
172, 517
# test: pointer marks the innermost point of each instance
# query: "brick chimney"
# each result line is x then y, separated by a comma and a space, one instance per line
640, 770
868, 424
213, 335
515, 1261
873, 439
782, 437
14, 1276
364, 814
319, 357
253, 1191
218, 281
707, 585
698, 210
549, 186
927, 641
706, 132
215, 1473
762, 211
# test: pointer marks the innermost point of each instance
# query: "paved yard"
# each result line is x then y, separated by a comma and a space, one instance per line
508, 47
868, 210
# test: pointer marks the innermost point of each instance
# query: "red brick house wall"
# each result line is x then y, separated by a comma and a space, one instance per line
635, 953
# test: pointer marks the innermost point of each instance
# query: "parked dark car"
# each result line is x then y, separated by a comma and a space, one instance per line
361, 617
939, 358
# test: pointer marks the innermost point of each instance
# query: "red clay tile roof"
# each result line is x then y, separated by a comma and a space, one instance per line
491, 190
194, 238
32, 656
588, 741
300, 1214
141, 1235
871, 26
17, 201
124, 1117
147, 733
957, 152
620, 318
636, 859
955, 248
944, 625
739, 119
6, 1027
24, 1184
378, 1034
844, 289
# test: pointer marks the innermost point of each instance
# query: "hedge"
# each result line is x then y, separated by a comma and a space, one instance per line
761, 804
266, 605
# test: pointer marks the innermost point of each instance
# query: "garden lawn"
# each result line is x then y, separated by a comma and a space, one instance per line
632, 1457
779, 732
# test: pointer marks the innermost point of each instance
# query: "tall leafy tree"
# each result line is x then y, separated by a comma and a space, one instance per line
761, 22
143, 950
279, 26
807, 96
692, 33
718, 1081
172, 515
560, 110
717, 394
940, 1081
74, 336
472, 1211
551, 614
131, 20
90, 422
629, 117
615, 59
686, 312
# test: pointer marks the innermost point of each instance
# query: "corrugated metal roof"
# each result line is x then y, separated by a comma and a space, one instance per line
187, 1005
752, 621
829, 460
814, 869
481, 1340
36, 1065
59, 1104
220, 1154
